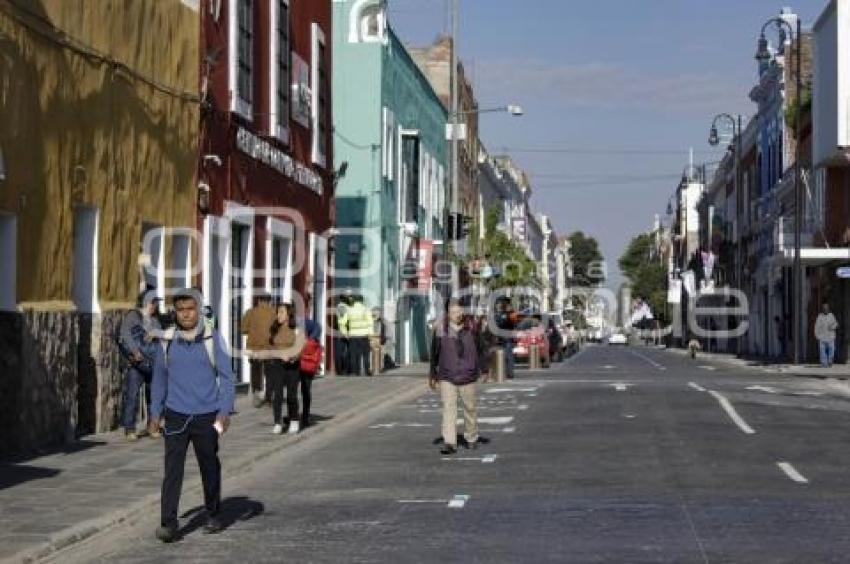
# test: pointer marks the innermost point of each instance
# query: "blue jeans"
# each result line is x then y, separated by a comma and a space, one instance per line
827, 352
133, 380
508, 345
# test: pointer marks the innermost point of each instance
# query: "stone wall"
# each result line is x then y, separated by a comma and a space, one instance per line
110, 373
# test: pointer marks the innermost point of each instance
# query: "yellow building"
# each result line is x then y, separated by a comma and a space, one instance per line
98, 146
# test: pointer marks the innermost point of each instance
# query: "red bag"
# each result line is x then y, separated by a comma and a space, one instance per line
311, 357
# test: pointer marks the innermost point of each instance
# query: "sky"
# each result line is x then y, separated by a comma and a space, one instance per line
615, 93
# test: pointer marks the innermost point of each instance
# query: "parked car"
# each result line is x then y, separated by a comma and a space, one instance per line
531, 331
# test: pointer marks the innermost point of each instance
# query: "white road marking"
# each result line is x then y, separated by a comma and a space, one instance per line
792, 473
609, 367
621, 386
422, 501
509, 429
509, 390
649, 360
709, 368
629, 416
487, 459
394, 425
493, 420
737, 419
458, 501
523, 407
383, 426
696, 386
766, 389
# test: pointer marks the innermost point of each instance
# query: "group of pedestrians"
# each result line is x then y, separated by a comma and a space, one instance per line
285, 356
359, 338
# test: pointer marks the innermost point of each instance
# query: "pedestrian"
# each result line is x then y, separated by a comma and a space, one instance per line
193, 395
505, 323
377, 340
456, 363
255, 325
286, 341
311, 360
357, 324
340, 337
137, 342
825, 327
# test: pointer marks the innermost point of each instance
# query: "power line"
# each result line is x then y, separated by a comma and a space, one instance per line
600, 151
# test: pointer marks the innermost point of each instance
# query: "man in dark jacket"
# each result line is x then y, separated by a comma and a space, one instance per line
193, 395
456, 353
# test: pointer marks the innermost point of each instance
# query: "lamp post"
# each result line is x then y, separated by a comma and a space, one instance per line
714, 140
763, 55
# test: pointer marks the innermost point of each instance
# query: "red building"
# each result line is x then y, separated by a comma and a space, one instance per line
265, 175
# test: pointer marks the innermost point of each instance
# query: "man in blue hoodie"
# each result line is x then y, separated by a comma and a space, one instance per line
192, 399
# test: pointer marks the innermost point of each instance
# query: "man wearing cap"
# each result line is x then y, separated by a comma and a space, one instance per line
137, 336
193, 395
256, 326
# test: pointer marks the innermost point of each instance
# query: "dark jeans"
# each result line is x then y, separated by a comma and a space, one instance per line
341, 355
306, 398
133, 380
508, 346
180, 430
359, 354
282, 377
259, 378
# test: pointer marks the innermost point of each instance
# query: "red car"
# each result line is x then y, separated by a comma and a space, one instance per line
530, 331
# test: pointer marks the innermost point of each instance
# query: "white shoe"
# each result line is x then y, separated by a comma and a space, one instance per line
294, 427
277, 429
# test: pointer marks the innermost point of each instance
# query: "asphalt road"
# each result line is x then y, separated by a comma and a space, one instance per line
624, 455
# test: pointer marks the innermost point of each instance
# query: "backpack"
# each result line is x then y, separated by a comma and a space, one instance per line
209, 344
311, 357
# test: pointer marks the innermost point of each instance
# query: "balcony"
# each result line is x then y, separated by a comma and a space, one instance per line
783, 239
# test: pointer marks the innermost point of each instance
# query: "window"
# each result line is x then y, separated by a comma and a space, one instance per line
8, 258
320, 96
410, 178
280, 71
85, 260
244, 63
372, 24
389, 145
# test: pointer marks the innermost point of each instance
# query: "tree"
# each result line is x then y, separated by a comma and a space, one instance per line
517, 268
587, 261
647, 275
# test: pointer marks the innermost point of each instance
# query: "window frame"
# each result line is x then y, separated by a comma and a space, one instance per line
242, 106
278, 130
320, 91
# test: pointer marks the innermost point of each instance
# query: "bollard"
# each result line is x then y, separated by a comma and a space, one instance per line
497, 365
377, 360
534, 357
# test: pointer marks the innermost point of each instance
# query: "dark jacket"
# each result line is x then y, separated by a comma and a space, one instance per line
457, 358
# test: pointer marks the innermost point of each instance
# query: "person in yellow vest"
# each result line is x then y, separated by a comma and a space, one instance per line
356, 323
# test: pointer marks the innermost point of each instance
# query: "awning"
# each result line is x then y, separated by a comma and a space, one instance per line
811, 256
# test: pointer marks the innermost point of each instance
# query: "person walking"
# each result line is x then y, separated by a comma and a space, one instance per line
286, 341
137, 342
340, 338
192, 399
357, 322
825, 328
456, 363
255, 325
506, 323
311, 360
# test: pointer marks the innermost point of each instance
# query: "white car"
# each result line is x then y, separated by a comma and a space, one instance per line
618, 339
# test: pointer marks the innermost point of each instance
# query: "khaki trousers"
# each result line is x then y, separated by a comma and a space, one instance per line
449, 393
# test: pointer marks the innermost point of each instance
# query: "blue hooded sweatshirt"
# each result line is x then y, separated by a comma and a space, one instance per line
187, 384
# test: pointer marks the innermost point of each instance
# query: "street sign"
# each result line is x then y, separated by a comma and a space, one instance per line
843, 272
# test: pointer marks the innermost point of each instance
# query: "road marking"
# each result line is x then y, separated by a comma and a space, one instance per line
737, 419
792, 473
609, 367
523, 407
696, 386
766, 389
649, 360
394, 425
509, 390
509, 429
458, 501
709, 368
493, 420
422, 501
629, 416
621, 387
486, 459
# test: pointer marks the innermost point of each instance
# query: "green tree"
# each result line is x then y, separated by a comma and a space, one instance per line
587, 260
517, 269
646, 274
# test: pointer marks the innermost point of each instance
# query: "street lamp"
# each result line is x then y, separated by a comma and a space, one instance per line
763, 55
714, 140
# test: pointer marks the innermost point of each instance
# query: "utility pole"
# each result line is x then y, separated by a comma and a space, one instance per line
455, 124
798, 204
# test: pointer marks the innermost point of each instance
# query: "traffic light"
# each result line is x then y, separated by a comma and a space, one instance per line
459, 226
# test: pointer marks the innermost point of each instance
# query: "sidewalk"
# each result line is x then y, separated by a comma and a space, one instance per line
837, 371
51, 502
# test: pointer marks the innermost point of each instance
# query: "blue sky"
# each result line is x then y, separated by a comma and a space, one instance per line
622, 88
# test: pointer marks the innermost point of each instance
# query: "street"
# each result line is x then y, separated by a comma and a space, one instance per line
628, 454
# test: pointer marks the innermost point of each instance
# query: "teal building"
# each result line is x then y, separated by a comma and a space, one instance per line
390, 127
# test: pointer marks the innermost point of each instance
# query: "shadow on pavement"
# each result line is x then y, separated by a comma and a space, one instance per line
14, 474
233, 509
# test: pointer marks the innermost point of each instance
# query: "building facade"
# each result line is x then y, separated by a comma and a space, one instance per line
390, 128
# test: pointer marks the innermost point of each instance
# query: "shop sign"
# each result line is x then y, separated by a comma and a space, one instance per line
263, 151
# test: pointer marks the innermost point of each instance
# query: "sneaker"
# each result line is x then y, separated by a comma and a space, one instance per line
166, 534
277, 429
156, 434
293, 427
131, 435
448, 450
213, 526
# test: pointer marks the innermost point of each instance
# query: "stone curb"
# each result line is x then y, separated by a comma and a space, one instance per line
93, 527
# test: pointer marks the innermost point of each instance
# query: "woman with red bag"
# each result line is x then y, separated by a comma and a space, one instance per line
311, 360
